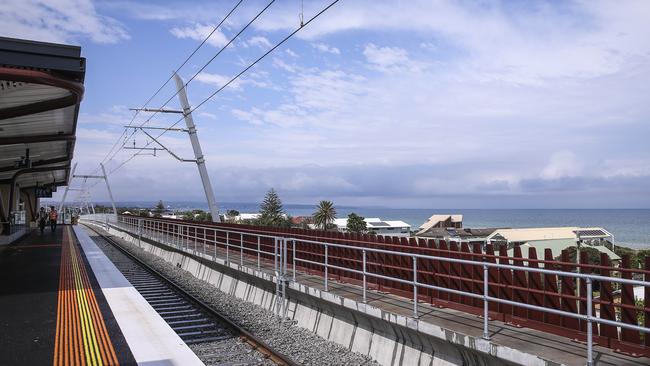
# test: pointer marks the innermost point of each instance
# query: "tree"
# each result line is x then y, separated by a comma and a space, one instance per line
232, 213
160, 208
325, 214
356, 224
271, 211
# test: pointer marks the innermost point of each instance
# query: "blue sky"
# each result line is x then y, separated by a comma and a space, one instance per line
465, 104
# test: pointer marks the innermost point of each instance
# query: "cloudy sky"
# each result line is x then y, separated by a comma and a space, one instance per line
428, 104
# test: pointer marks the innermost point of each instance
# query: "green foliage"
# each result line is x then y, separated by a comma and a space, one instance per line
232, 213
159, 209
197, 215
272, 212
356, 224
593, 255
637, 257
325, 214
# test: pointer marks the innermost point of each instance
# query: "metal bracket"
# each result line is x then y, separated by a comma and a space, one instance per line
159, 144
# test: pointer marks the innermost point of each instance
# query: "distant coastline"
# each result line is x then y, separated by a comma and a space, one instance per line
631, 227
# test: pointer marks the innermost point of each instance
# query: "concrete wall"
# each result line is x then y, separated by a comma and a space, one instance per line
388, 338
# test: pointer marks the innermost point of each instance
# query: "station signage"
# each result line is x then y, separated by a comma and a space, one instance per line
43, 192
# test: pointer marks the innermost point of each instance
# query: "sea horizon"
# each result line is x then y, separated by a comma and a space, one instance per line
630, 226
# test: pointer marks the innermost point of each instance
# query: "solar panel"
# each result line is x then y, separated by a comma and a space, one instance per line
591, 233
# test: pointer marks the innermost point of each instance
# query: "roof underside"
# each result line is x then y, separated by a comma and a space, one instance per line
41, 86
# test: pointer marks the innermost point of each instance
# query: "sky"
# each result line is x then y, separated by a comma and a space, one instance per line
408, 104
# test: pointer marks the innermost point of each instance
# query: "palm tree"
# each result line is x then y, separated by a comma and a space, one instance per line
325, 214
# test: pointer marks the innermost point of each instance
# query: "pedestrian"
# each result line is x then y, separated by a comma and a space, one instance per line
53, 217
42, 216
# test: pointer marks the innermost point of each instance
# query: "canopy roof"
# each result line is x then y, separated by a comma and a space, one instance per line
41, 86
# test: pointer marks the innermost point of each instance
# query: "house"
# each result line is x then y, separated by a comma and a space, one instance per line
541, 238
379, 226
441, 222
454, 234
556, 239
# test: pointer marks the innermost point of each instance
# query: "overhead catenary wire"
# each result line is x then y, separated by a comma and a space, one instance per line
125, 131
286, 38
232, 39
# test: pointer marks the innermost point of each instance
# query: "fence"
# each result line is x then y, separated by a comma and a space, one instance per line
545, 294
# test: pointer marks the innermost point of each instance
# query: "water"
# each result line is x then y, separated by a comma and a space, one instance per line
631, 227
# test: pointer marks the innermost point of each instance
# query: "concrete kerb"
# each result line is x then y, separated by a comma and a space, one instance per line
389, 338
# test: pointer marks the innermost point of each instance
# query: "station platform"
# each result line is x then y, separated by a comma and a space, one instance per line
62, 302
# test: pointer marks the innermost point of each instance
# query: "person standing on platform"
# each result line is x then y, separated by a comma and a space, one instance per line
53, 217
42, 217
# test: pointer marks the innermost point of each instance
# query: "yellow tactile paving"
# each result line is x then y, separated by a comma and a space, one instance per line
81, 335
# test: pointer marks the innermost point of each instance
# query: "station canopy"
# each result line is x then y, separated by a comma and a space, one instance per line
41, 86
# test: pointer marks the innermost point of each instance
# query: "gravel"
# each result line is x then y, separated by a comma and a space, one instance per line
301, 345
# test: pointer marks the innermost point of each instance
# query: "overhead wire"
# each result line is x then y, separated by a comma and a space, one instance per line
232, 39
286, 38
125, 132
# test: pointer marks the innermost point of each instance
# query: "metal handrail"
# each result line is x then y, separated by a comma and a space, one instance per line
280, 265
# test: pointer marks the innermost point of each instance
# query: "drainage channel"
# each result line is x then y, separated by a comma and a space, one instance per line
195, 322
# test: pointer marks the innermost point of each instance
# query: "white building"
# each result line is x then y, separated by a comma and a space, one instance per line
379, 226
247, 217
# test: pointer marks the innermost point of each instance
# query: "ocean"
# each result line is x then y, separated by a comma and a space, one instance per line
631, 227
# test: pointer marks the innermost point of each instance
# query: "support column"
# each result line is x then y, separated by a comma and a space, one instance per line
110, 193
200, 161
67, 187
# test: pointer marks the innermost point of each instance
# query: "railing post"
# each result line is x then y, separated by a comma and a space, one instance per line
415, 287
326, 270
214, 235
277, 276
241, 249
275, 254
227, 245
293, 259
284, 269
259, 249
590, 346
486, 332
139, 233
365, 300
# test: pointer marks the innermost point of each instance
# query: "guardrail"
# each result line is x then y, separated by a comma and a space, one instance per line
452, 277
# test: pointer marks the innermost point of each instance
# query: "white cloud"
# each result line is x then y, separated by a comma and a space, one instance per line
291, 53
389, 58
322, 47
255, 78
562, 164
277, 62
198, 32
259, 41
217, 80
58, 21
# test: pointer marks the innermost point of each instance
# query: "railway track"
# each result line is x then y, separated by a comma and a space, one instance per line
196, 323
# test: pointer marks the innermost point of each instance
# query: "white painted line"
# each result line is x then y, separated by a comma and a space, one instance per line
151, 339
